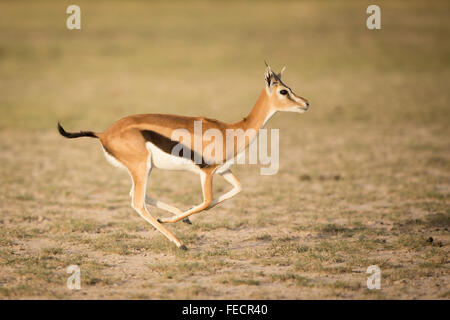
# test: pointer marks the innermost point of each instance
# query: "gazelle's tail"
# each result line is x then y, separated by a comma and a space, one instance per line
72, 135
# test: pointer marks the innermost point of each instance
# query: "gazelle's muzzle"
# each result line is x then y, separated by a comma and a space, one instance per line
304, 104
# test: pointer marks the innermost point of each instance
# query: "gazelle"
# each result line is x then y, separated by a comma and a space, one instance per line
141, 142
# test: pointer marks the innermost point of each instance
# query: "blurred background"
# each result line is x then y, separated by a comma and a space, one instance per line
207, 58
374, 146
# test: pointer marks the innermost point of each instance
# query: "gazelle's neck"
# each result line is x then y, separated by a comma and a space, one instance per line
258, 116
256, 119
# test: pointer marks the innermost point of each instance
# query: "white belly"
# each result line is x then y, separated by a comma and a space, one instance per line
166, 161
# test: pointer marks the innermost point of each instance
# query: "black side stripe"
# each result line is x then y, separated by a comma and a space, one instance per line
167, 145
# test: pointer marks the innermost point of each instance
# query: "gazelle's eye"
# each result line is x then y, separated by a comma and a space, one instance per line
283, 92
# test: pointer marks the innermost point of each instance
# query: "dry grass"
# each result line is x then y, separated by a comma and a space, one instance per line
364, 176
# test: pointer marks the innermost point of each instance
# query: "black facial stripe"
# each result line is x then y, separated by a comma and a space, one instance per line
167, 145
290, 98
281, 82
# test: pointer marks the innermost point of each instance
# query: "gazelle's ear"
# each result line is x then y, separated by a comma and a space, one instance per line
281, 72
269, 76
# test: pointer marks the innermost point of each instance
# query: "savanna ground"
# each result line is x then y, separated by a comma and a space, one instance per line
364, 175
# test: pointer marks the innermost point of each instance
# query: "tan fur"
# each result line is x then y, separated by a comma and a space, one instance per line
124, 135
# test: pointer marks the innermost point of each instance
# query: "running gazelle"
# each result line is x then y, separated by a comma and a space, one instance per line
141, 142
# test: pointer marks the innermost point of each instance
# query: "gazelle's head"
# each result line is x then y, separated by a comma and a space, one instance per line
281, 97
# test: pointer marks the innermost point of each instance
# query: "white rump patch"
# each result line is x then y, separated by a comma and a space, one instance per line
116, 163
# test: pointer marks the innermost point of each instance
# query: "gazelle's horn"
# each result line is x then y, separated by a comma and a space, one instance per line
267, 65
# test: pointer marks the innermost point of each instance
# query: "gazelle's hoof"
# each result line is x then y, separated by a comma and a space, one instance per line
183, 247
165, 220
186, 220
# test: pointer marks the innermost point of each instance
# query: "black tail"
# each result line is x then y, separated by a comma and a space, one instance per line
72, 135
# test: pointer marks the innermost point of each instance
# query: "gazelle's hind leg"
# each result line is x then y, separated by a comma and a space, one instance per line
139, 175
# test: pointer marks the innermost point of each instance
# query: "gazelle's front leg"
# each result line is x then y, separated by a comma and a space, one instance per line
234, 181
166, 207
206, 180
162, 205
